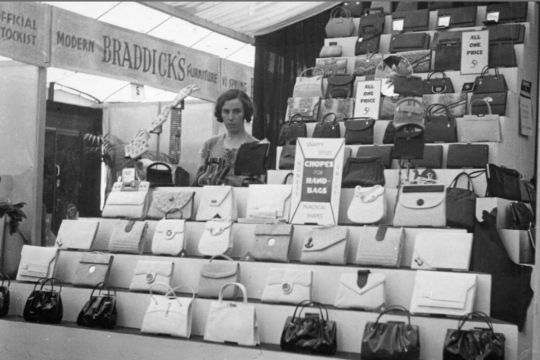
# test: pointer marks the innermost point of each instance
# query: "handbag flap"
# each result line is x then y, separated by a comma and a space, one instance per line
434, 249
166, 305
446, 38
512, 33
413, 18
168, 200
168, 229
218, 269
460, 15
37, 260
101, 259
359, 125
163, 268
290, 276
421, 196
216, 195
217, 227
273, 229
268, 200
443, 289
350, 281
77, 232
337, 80
129, 228
409, 41
126, 198
325, 237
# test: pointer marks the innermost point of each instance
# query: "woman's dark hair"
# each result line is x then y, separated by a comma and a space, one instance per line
231, 95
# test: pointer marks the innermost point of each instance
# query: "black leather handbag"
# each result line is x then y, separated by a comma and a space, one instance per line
409, 41
327, 127
371, 22
447, 46
461, 203
414, 20
340, 86
4, 295
510, 12
507, 34
363, 171
409, 86
438, 85
502, 55
251, 159
159, 174
384, 152
286, 158
492, 86
461, 156
367, 44
408, 142
359, 131
44, 305
100, 310
432, 158
292, 130
440, 125
503, 182
464, 16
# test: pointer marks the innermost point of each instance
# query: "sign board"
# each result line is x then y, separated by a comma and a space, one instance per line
317, 175
368, 97
24, 31
236, 76
474, 51
525, 109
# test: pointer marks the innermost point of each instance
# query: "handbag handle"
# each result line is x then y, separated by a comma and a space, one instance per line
226, 257
286, 178
485, 100
239, 286
172, 291
51, 281
334, 122
485, 71
340, 10
437, 72
304, 303
410, 99
430, 110
214, 231
158, 163
101, 286
294, 116
478, 314
396, 308
5, 277
313, 70
454, 182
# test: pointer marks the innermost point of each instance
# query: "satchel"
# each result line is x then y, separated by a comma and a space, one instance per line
371, 21
308, 107
217, 202
392, 339
507, 34
291, 130
100, 310
367, 44
446, 293
380, 246
269, 201
409, 41
420, 60
460, 156
383, 152
479, 128
327, 127
507, 12
92, 269
432, 159
169, 237
502, 55
251, 159
447, 46
440, 127
366, 64
171, 203
149, 272
37, 262
44, 305
309, 86
287, 286
215, 274
272, 242
340, 86
503, 182
414, 20
368, 205
493, 86
333, 49
127, 237
409, 111
359, 131
342, 108
441, 85
421, 205
331, 66
216, 238
77, 234
232, 321
408, 141
456, 103
326, 244
361, 290
4, 295
367, 171
127, 202
442, 250
464, 16
314, 333
286, 158
159, 177
340, 23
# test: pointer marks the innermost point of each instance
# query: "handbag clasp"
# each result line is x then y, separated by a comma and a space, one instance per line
286, 288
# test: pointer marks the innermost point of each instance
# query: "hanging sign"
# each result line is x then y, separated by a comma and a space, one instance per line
368, 97
236, 76
474, 51
525, 109
317, 181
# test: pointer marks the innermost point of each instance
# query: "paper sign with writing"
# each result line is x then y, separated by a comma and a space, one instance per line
368, 97
474, 51
236, 76
525, 109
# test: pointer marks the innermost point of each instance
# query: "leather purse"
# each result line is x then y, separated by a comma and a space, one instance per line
367, 44
340, 86
251, 159
359, 131
440, 126
409, 111
463, 16
169, 237
447, 46
421, 205
409, 41
77, 234
461, 203
217, 272
37, 262
413, 20
371, 21
289, 286
383, 152
326, 244
307, 85
291, 130
507, 34
4, 295
361, 290
217, 202
333, 49
159, 177
503, 182
512, 12
216, 238
44, 305
435, 250
493, 86
380, 246
127, 202
502, 55
433, 157
388, 107
366, 64
420, 60
269, 201
127, 237
92, 269
368, 171
272, 242
392, 339
456, 103
171, 203
460, 156
342, 108
479, 128
408, 86
100, 310
234, 322
149, 272
313, 333
340, 23
368, 205
439, 85
308, 108
327, 128
331, 66
286, 158
408, 141
446, 293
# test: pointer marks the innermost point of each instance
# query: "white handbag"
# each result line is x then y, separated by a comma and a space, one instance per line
169, 237
272, 242
269, 201
169, 314
308, 86
148, 272
361, 290
125, 203
382, 246
421, 205
287, 286
327, 244
92, 269
171, 204
37, 262
368, 205
127, 237
217, 202
216, 273
216, 238
479, 128
448, 293
77, 234
232, 321
442, 250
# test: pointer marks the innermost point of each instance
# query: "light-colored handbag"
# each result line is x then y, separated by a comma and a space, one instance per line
92, 269
421, 205
340, 23
442, 250
169, 314
448, 293
148, 272
327, 244
361, 290
479, 128
171, 203
308, 107
125, 203
217, 202
215, 274
216, 238
77, 234
269, 201
37, 262
272, 242
127, 237
308, 86
333, 49
169, 237
342, 107
232, 321
382, 246
368, 205
288, 286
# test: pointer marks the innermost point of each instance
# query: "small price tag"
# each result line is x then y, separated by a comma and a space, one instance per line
332, 43
492, 17
360, 39
443, 21
397, 25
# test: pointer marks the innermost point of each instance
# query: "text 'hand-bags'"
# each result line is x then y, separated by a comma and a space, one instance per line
380, 246
169, 237
440, 126
216, 273
461, 204
309, 86
232, 321
421, 205
148, 272
171, 203
327, 127
77, 234
92, 269
503, 182
287, 286
461, 156
340, 23
307, 107
37, 262
100, 310
128, 203
326, 244
269, 201
368, 205
359, 131
442, 250
447, 293
217, 202
127, 237
361, 290
216, 238
272, 242
44, 305
291, 130
479, 128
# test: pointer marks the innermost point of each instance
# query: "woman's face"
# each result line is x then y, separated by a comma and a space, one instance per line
232, 114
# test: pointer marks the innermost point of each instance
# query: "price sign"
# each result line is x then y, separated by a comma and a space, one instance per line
443, 22
397, 25
368, 97
474, 51
526, 125
492, 17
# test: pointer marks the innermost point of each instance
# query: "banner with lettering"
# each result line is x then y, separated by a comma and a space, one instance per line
236, 76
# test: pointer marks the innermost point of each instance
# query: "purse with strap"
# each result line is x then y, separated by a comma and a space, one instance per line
340, 86
503, 182
367, 44
92, 269
420, 60
308, 107
366, 64
291, 130
216, 238
44, 305
421, 205
408, 141
408, 86
159, 177
327, 244
363, 171
333, 49
456, 103
127, 237
272, 242
37, 262
169, 237
383, 152
359, 131
461, 203
409, 41
251, 159
342, 107
127, 202
371, 21
433, 157
100, 310
461, 156
309, 86
479, 128
340, 23
331, 66
327, 127
217, 202
171, 203
447, 46
493, 86
440, 127
380, 246
217, 272
413, 20
439, 85
368, 205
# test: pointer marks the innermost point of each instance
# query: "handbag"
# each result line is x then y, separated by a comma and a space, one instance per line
251, 159
159, 177
149, 272
137, 146
291, 130
502, 55
217, 202
493, 86
4, 295
44, 305
127, 202
361, 290
413, 20
463, 16
367, 171
368, 205
313, 333
456, 103
447, 46
340, 86
474, 343
340, 23
460, 156
92, 269
333, 49
272, 242
287, 286
371, 21
383, 152
440, 85
342, 108
37, 262
409, 41
522, 216
479, 128
388, 107
331, 66
327, 128
169, 237
503, 182
217, 272
506, 12
359, 131
440, 127
408, 141
327, 244
77, 234
309, 86
507, 34
446, 293
391, 340
421, 205
432, 159
308, 107
366, 64
100, 310
286, 158
367, 44
409, 111
269, 201
435, 250
172, 203
408, 86
380, 246
127, 237
216, 238
420, 60
232, 321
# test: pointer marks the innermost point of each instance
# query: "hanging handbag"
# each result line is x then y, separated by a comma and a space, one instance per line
291, 130
361, 290
272, 242
77, 234
327, 128
159, 177
460, 156
309, 86
127, 202
447, 46
383, 152
44, 305
127, 237
435, 250
37, 262
371, 21
368, 205
421, 205
215, 273
512, 12
308, 107
340, 86
440, 85
413, 20
479, 128
327, 244
409, 41
507, 34
331, 66
432, 159
4, 295
149, 272
420, 60
340, 23
92, 269
367, 44
217, 202
366, 64
216, 238
359, 131
169, 237
232, 321
100, 310
463, 16
342, 108
408, 141
313, 333
456, 103
440, 127
503, 182
286, 158
289, 286
502, 55
269, 202
493, 86
251, 159
368, 171
391, 340
380, 246
172, 203
333, 49
409, 111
